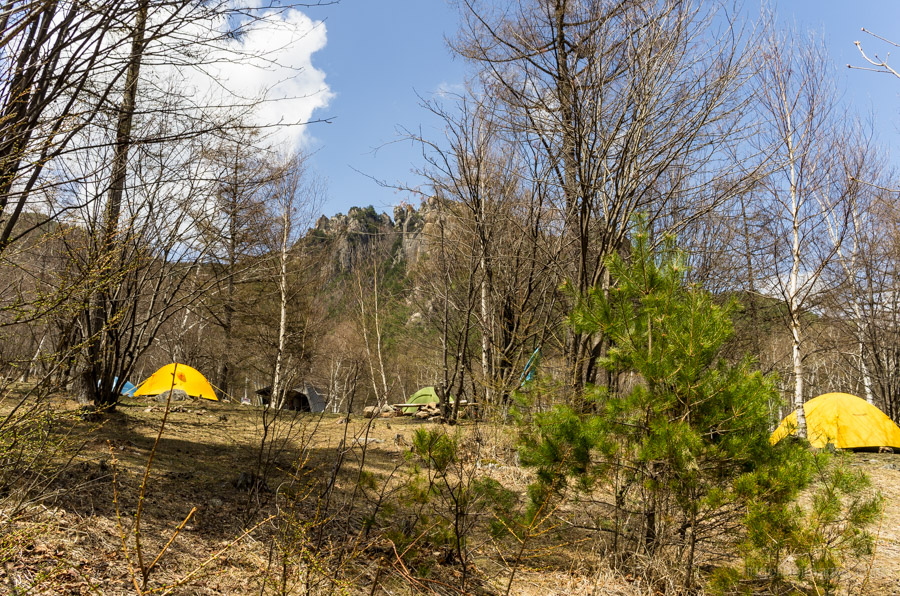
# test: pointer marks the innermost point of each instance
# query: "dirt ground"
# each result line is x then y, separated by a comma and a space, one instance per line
72, 541
884, 568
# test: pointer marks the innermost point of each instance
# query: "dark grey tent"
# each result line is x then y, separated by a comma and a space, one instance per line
301, 398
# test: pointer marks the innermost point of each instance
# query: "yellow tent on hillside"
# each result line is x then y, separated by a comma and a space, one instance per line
183, 376
845, 421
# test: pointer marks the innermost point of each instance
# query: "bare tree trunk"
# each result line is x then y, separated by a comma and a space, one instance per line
282, 313
379, 344
797, 361
105, 306
26, 374
123, 127
485, 263
487, 369
861, 354
83, 389
793, 307
286, 204
226, 372
374, 356
576, 211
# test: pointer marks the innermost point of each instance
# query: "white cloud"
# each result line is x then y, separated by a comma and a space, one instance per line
275, 63
269, 66
446, 89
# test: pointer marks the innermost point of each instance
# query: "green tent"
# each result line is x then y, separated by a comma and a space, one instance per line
425, 395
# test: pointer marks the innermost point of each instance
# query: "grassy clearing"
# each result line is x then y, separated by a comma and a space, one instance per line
71, 542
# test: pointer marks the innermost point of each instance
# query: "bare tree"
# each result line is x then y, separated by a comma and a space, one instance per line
802, 197
295, 197
848, 276
147, 274
235, 223
487, 203
624, 109
880, 274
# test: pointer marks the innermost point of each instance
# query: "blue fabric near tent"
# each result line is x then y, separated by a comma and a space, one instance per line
127, 388
530, 367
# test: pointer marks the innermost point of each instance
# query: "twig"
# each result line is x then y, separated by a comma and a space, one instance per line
145, 572
377, 576
884, 39
874, 553
213, 557
171, 540
125, 550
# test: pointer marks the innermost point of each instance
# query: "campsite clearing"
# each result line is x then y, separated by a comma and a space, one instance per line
207, 446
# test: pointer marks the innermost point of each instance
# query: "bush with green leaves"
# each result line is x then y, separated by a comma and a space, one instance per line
680, 437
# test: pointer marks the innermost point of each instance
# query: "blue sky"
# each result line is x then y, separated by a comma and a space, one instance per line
379, 54
841, 22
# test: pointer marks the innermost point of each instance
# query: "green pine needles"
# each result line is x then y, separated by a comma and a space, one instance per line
676, 447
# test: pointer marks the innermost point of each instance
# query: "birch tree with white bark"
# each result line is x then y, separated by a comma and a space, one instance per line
797, 194
295, 196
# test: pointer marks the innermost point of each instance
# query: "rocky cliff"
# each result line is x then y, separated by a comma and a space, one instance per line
362, 233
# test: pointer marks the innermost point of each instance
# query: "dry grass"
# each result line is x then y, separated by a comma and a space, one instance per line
882, 573
72, 544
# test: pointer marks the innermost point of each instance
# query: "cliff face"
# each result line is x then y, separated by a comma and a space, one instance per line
362, 233
410, 223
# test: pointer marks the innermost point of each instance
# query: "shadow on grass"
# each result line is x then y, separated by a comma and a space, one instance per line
204, 449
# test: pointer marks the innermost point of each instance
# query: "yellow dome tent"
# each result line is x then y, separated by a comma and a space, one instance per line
185, 378
844, 420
